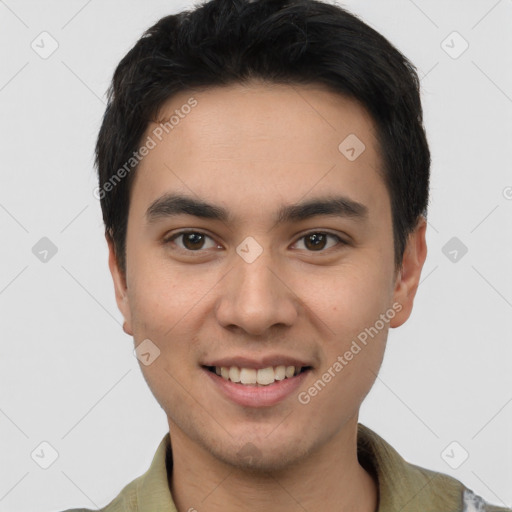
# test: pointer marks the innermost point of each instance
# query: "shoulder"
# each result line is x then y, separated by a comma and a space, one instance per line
473, 503
441, 490
148, 492
125, 501
407, 487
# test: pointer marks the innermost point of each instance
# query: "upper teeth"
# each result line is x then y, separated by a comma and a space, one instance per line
263, 376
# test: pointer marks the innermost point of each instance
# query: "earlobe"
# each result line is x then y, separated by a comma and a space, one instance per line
408, 278
120, 285
127, 329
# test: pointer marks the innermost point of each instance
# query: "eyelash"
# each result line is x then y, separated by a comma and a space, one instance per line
173, 237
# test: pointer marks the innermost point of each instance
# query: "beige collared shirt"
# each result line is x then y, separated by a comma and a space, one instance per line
403, 487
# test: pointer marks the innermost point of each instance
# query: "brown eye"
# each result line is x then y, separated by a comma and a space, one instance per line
317, 241
191, 240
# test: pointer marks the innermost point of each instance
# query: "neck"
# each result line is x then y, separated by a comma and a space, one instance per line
328, 478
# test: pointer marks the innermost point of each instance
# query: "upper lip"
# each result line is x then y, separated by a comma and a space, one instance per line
259, 363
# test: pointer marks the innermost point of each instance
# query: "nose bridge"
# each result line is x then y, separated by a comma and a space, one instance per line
255, 298
255, 279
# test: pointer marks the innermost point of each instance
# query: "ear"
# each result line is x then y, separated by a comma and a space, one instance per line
408, 277
120, 286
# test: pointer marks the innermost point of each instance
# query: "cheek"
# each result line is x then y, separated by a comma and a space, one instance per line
159, 314
158, 297
165, 305
354, 348
352, 297
357, 297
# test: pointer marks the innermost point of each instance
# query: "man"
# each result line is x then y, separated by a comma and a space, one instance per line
264, 174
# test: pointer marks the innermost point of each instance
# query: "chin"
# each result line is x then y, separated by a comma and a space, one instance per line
263, 455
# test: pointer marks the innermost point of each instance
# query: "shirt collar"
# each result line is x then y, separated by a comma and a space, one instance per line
152, 489
402, 486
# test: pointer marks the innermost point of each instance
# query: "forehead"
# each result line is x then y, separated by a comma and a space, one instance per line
260, 143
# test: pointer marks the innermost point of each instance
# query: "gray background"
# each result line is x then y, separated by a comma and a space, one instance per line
67, 371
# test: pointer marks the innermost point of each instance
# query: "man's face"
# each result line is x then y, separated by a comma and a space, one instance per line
255, 286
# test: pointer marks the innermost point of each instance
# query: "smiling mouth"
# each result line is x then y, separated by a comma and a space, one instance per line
254, 377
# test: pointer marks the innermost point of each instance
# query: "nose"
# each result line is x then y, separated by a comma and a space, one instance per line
255, 297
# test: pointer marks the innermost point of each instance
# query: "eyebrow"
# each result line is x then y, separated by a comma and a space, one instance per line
170, 205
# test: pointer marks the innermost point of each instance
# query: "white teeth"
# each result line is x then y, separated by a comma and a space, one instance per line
280, 372
265, 376
234, 374
248, 376
251, 376
290, 370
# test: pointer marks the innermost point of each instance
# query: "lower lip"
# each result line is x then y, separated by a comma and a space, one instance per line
257, 396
